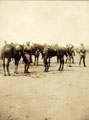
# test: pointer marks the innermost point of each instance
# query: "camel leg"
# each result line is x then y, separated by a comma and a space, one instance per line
4, 67
72, 59
16, 69
35, 60
62, 64
45, 66
68, 59
16, 66
25, 68
49, 61
8, 62
57, 59
70, 62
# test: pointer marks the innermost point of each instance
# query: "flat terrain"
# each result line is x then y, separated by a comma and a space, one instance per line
40, 95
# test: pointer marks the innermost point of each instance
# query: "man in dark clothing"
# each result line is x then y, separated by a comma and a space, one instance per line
82, 53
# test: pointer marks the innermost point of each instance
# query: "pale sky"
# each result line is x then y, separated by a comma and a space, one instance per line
42, 22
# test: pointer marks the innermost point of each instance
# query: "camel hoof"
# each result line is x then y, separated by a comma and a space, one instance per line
70, 66
44, 70
4, 74
9, 74
26, 72
16, 72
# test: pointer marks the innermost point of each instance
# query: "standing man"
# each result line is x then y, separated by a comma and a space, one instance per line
27, 49
82, 53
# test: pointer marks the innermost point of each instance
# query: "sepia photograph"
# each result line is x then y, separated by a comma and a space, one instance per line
44, 60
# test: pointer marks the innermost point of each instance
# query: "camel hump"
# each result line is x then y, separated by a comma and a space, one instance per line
6, 51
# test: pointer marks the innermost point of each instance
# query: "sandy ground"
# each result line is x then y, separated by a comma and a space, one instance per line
52, 95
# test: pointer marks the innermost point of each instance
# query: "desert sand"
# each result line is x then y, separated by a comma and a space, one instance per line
40, 95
